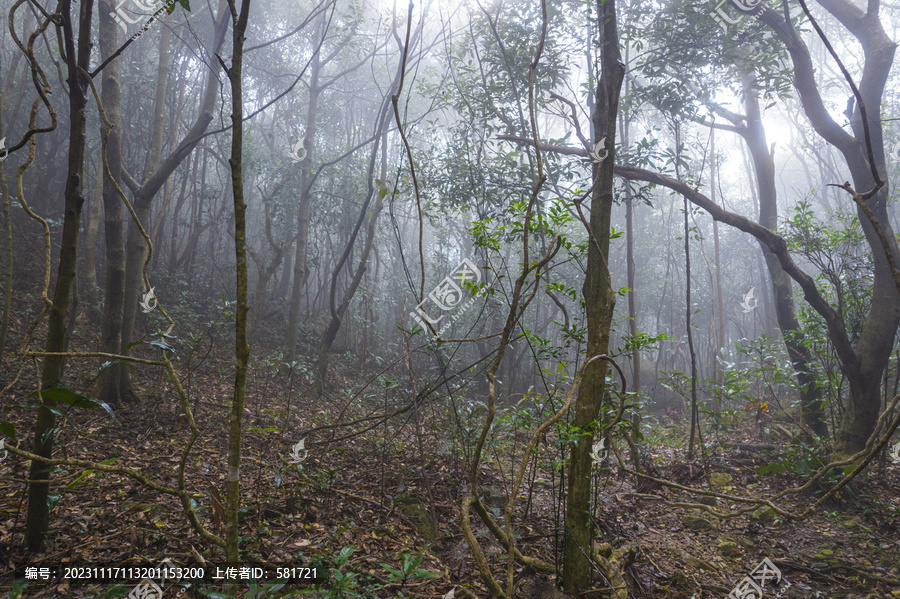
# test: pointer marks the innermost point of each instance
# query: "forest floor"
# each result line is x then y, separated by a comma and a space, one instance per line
361, 501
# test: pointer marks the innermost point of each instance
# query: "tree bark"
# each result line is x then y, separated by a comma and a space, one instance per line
92, 227
114, 289
242, 307
719, 320
38, 518
600, 304
7, 239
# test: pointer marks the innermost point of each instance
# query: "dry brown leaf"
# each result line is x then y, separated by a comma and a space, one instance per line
218, 507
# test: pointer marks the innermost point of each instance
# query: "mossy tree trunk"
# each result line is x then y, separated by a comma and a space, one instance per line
600, 303
241, 345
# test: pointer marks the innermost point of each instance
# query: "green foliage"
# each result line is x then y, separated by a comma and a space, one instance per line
8, 428
254, 591
408, 569
64, 396
800, 460
18, 587
54, 498
836, 246
339, 583
185, 4
60, 395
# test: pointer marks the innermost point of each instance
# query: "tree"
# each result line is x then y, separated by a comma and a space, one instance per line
77, 60
137, 249
114, 289
600, 302
241, 345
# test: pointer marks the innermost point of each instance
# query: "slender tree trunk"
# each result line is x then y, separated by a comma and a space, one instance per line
142, 204
241, 345
718, 362
695, 424
624, 124
7, 229
337, 312
600, 305
38, 518
114, 289
92, 227
301, 268
8, 274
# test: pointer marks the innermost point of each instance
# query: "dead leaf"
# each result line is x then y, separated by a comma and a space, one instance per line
218, 507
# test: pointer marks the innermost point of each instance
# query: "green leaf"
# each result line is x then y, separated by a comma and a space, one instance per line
162, 345
18, 587
8, 429
109, 363
382, 192
63, 395
186, 5
59, 394
76, 483
423, 573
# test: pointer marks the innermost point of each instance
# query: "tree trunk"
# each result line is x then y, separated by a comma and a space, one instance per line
136, 245
718, 375
114, 289
241, 345
38, 518
89, 265
813, 413
337, 312
7, 238
301, 269
864, 364
599, 302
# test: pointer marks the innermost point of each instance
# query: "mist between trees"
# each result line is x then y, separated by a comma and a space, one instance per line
450, 299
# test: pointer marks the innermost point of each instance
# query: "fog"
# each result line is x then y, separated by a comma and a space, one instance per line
449, 299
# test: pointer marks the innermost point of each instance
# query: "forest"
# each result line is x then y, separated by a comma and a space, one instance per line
536, 299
